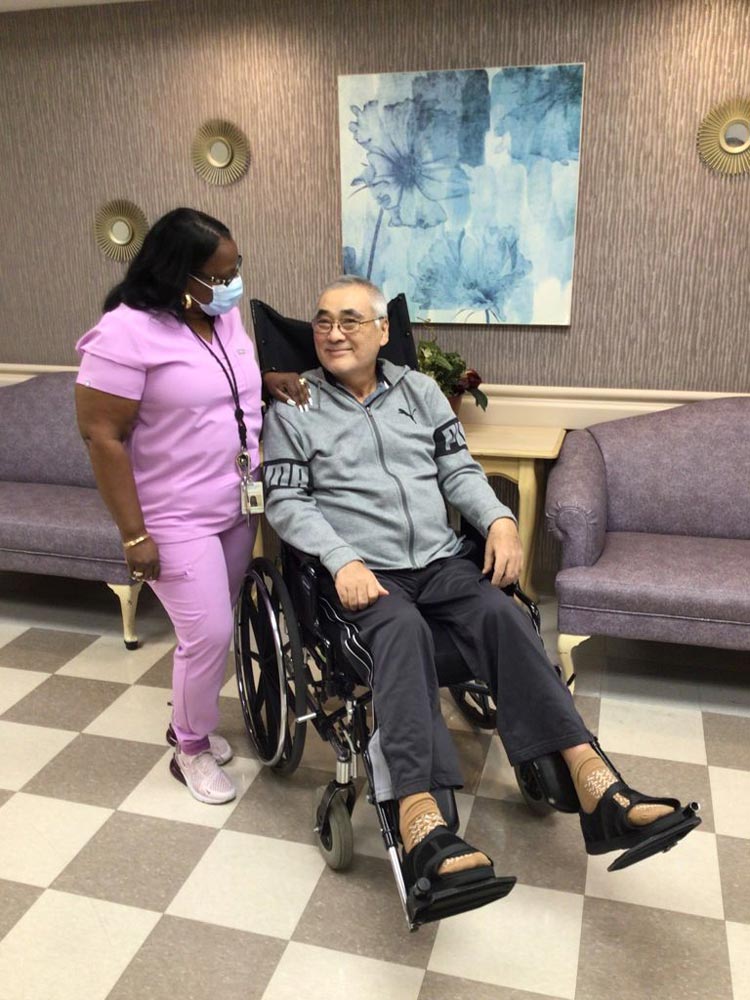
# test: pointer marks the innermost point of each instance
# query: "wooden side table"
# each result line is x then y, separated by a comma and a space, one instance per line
517, 453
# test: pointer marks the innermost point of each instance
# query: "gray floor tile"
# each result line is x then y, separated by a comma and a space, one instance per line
96, 770
438, 987
588, 708
734, 871
65, 703
472, 751
280, 806
44, 649
546, 851
358, 911
674, 779
634, 952
727, 740
197, 961
15, 899
160, 674
136, 860
232, 727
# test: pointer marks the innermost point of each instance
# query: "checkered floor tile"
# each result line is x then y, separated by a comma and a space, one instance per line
115, 883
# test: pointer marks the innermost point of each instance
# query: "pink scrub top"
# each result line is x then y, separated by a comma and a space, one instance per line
185, 440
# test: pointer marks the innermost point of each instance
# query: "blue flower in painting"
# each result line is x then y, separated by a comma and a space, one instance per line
412, 160
478, 273
541, 109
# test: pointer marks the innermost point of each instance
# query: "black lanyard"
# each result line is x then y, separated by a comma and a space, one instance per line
239, 414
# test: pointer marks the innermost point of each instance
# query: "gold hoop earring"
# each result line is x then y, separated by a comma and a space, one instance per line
187, 300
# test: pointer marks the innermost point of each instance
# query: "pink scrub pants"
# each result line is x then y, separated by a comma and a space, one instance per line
198, 585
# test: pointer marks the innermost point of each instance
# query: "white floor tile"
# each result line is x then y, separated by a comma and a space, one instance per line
730, 796
68, 947
230, 689
250, 883
738, 939
26, 750
161, 795
498, 779
41, 836
107, 659
16, 684
528, 941
662, 731
141, 713
653, 683
336, 974
685, 879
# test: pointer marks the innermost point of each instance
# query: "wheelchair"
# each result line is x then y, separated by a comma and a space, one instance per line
300, 664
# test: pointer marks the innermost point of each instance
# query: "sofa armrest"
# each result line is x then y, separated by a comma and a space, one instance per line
576, 508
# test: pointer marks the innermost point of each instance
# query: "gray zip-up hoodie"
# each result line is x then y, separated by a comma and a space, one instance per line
348, 481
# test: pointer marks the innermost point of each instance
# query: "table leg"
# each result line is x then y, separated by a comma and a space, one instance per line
528, 493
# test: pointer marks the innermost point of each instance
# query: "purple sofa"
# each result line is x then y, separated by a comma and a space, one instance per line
52, 519
653, 513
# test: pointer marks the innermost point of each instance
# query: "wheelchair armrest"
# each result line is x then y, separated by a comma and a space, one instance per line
302, 575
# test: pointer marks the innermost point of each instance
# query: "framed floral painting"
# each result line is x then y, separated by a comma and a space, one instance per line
460, 189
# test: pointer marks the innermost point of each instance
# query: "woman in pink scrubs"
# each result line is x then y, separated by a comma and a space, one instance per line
168, 400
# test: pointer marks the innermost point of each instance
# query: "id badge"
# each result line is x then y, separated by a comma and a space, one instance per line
251, 497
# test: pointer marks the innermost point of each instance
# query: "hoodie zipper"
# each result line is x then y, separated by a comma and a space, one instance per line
397, 481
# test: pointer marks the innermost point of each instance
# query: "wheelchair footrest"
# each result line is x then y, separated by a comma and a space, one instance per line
426, 902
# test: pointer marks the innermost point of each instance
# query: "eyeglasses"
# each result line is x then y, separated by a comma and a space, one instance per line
209, 279
323, 325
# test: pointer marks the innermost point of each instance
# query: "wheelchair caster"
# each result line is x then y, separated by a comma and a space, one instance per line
334, 834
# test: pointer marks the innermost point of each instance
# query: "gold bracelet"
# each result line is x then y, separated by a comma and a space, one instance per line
135, 541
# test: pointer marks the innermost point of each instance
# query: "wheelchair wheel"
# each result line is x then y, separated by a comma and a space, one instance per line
531, 793
336, 839
270, 667
477, 707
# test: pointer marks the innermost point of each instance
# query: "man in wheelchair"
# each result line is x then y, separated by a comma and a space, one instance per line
360, 479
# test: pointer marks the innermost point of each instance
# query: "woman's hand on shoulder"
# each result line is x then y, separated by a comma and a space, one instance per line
288, 387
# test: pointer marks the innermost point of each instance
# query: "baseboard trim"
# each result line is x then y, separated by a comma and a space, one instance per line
515, 405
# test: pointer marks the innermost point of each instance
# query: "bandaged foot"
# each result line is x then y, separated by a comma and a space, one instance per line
592, 778
419, 815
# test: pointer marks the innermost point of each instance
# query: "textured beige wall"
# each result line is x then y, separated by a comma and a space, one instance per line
98, 103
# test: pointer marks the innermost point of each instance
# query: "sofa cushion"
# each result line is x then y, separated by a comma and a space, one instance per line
39, 439
674, 576
72, 521
683, 471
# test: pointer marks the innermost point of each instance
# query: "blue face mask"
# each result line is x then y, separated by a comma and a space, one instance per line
224, 297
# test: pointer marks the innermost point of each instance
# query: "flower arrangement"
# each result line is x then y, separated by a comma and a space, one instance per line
449, 370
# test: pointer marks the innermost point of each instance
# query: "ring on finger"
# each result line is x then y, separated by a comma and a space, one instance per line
302, 380
137, 574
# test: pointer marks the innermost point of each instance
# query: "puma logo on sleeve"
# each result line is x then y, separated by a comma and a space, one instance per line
449, 438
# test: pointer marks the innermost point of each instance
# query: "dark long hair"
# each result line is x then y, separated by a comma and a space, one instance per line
175, 247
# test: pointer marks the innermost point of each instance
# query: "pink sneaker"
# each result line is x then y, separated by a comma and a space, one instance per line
203, 777
220, 748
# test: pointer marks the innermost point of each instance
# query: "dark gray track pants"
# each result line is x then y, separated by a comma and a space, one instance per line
535, 711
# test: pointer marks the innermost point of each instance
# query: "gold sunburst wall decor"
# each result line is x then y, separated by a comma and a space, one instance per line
724, 138
220, 152
120, 227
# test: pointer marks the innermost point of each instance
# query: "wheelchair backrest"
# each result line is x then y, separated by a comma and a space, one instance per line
286, 345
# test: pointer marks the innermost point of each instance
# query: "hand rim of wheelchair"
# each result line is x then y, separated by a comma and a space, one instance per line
278, 739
